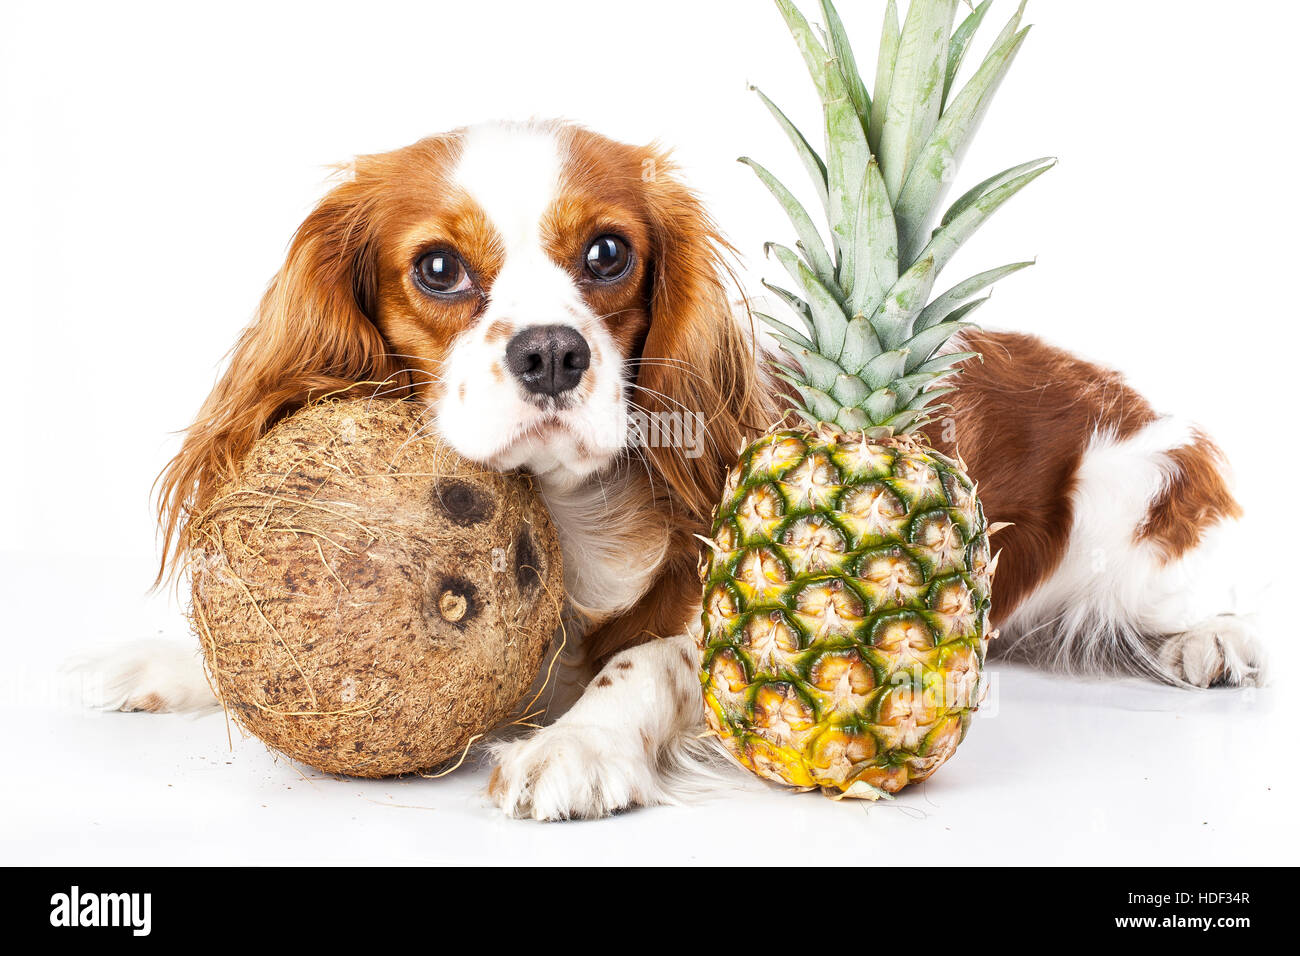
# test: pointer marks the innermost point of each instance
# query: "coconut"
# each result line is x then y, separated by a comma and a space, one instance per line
368, 602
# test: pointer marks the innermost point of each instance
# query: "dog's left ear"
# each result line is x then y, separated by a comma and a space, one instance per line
312, 335
698, 360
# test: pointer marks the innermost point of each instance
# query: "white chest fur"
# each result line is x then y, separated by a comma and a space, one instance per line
613, 537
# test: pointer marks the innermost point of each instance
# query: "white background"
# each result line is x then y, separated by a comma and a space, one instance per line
156, 159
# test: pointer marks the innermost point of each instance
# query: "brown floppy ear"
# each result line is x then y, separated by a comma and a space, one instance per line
311, 335
699, 355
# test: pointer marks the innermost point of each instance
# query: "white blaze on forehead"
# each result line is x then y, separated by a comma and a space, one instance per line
512, 171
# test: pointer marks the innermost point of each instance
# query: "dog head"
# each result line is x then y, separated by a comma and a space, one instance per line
557, 300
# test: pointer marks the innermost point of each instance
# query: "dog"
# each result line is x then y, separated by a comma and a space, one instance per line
538, 287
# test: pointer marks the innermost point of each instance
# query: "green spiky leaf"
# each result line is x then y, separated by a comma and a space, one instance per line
819, 403
861, 345
884, 368
885, 60
818, 370
959, 43
960, 313
849, 390
927, 398
942, 305
903, 303
907, 420
957, 229
789, 333
916, 90
787, 374
922, 346
798, 306
881, 404
827, 313
997, 180
944, 364
812, 163
847, 152
796, 269
937, 160
875, 245
843, 50
810, 241
852, 419
874, 354
909, 386
1010, 27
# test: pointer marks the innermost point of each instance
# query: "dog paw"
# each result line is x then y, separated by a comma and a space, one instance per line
150, 675
568, 772
1222, 650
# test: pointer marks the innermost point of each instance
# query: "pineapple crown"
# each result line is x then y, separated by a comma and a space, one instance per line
869, 354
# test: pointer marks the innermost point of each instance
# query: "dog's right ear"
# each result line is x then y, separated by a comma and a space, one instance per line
312, 335
698, 358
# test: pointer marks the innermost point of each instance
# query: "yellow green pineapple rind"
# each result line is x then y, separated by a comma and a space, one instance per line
847, 583
846, 595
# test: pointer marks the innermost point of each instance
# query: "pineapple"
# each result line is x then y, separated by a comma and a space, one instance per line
847, 580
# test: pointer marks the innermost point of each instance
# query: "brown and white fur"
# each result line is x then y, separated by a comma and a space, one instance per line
1106, 563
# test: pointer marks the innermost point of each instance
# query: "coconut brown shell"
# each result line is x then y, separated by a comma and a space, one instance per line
367, 600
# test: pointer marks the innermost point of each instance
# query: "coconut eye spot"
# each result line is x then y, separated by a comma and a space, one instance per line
462, 502
457, 601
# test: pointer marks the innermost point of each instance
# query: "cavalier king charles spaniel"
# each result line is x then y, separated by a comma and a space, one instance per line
547, 292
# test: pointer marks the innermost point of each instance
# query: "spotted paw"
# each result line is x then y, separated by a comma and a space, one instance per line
566, 772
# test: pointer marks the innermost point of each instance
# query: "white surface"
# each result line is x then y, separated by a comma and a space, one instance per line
1066, 772
157, 158
1053, 771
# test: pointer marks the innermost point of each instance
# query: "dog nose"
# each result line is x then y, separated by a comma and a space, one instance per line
548, 359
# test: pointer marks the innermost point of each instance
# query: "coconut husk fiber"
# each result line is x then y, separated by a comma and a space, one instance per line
369, 602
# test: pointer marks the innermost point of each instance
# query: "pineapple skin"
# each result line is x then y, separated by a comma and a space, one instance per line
846, 600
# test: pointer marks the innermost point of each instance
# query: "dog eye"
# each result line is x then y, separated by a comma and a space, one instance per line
608, 257
442, 273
